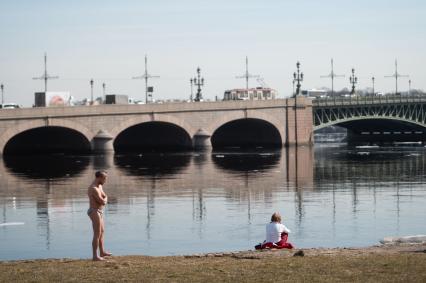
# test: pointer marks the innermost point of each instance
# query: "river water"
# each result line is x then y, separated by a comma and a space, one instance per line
197, 202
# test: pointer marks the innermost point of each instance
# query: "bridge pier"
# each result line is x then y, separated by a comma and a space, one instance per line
298, 122
201, 140
103, 142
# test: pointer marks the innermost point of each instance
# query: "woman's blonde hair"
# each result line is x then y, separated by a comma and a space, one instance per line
276, 217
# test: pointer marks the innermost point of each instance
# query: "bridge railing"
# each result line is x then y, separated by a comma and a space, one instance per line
368, 100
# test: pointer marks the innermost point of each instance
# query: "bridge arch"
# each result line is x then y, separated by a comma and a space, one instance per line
157, 125
352, 119
77, 128
247, 114
152, 118
256, 119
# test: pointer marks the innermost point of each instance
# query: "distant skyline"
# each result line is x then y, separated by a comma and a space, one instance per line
107, 41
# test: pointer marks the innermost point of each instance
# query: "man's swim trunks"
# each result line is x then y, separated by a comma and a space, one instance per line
90, 210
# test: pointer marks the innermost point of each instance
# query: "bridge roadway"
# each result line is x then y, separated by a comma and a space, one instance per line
133, 127
374, 119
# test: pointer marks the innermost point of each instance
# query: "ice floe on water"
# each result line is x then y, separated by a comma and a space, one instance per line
404, 239
11, 224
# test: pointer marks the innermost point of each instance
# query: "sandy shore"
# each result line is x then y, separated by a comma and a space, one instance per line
393, 263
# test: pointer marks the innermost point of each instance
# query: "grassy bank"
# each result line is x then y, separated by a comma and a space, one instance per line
394, 264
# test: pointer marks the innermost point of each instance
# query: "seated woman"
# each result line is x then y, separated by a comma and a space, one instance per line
276, 235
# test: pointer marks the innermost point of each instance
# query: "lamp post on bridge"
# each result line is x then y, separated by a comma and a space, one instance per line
2, 93
191, 97
353, 80
199, 82
332, 75
148, 89
91, 92
45, 75
396, 75
298, 77
409, 87
372, 79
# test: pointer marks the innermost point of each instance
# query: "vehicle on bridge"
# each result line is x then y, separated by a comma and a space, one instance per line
315, 93
9, 106
258, 93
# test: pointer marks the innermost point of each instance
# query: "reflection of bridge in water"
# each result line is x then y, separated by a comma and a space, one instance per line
249, 182
241, 179
372, 170
377, 165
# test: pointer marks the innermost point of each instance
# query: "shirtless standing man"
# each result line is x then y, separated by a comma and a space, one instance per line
98, 199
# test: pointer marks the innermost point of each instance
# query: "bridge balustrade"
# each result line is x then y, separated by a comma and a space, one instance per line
367, 100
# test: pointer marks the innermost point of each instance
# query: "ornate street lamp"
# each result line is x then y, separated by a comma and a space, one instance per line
372, 79
298, 77
191, 81
353, 80
199, 82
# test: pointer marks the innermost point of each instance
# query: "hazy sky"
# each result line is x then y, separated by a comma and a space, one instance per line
107, 41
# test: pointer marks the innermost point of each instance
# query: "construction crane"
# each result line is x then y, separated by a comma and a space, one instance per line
45, 76
396, 75
247, 75
145, 77
332, 75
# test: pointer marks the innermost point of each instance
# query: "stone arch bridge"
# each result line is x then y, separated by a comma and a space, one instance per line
133, 127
